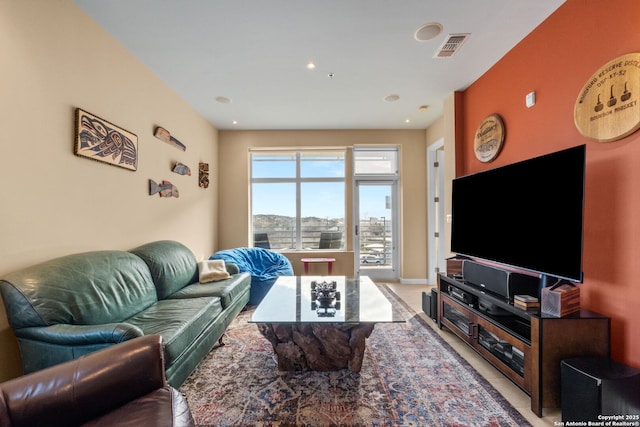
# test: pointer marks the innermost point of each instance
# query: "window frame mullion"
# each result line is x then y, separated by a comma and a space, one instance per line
298, 203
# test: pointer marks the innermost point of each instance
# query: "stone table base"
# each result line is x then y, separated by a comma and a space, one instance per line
317, 346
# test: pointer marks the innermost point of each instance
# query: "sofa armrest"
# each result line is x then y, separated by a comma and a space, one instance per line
77, 391
232, 268
79, 335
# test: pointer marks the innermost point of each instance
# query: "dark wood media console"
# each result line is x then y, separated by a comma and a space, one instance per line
527, 347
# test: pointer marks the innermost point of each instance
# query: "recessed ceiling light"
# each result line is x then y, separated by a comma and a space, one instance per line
392, 98
407, 120
311, 65
235, 122
428, 31
223, 100
423, 108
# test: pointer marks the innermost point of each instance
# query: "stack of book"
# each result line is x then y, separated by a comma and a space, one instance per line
526, 302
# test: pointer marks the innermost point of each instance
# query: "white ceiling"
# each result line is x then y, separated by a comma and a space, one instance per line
255, 52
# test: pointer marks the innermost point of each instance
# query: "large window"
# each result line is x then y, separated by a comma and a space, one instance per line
298, 199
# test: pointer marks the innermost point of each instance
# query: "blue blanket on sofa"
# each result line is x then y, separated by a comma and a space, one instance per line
264, 266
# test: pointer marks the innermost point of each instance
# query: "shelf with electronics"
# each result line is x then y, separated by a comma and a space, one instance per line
525, 345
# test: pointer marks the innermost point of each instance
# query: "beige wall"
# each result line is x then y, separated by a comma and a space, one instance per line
234, 193
435, 132
54, 59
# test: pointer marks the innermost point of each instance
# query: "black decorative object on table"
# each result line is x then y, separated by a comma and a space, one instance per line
325, 299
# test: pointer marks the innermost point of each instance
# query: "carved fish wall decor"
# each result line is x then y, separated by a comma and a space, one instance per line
181, 169
163, 135
165, 189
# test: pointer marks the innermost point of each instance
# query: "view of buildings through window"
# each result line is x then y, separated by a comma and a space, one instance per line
298, 202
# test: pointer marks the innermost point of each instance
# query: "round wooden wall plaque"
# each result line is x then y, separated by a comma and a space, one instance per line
607, 107
489, 138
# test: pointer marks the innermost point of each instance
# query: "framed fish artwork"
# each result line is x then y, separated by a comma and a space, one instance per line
98, 139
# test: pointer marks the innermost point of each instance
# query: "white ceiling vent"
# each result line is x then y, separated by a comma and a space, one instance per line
451, 45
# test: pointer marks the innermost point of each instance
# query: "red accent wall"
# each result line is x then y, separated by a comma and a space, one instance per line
555, 61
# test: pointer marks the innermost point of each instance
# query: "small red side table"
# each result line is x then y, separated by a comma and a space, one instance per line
307, 261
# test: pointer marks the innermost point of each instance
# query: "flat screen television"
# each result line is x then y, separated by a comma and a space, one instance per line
527, 215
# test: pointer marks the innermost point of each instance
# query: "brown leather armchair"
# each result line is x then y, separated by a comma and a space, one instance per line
122, 385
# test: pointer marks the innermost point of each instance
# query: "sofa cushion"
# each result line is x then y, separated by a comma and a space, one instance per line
227, 290
179, 321
172, 265
89, 288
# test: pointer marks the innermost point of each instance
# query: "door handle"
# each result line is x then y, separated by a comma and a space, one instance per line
473, 330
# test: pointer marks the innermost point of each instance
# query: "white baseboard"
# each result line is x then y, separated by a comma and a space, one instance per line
414, 281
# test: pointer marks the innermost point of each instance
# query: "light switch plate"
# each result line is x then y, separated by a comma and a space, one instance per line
530, 99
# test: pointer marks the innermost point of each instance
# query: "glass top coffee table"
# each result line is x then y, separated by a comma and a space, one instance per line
320, 323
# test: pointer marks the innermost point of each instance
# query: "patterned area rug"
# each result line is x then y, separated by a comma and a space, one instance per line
409, 377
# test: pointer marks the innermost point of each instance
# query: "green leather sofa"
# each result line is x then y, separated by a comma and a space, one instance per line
70, 306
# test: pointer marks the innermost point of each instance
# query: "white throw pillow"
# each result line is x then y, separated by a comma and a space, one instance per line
212, 270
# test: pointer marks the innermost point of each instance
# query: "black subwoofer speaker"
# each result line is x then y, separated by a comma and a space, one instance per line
591, 386
430, 304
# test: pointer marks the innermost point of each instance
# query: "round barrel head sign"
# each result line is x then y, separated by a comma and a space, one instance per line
607, 107
489, 138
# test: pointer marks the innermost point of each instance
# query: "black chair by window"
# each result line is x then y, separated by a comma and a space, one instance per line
261, 240
330, 240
